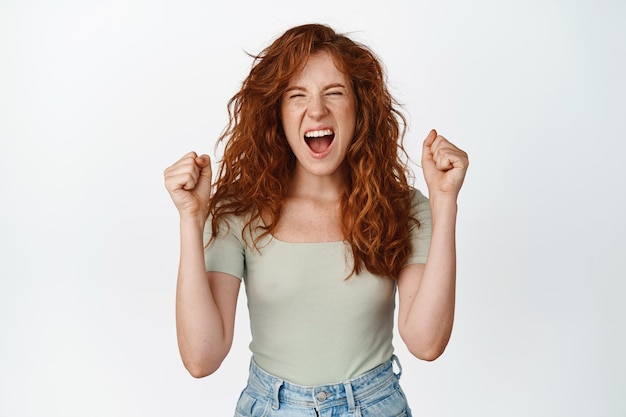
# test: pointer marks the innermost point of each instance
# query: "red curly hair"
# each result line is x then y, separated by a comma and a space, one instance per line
257, 161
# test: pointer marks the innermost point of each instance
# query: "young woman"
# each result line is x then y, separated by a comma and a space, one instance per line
312, 209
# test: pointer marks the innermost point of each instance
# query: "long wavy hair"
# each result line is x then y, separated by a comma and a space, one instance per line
257, 162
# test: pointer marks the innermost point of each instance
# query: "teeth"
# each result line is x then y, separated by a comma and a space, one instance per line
318, 133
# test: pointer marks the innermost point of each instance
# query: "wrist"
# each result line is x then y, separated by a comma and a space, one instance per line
192, 220
443, 206
442, 199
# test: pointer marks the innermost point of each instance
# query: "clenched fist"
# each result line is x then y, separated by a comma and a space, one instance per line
189, 183
444, 165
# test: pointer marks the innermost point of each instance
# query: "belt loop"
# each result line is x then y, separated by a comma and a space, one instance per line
275, 400
349, 397
394, 359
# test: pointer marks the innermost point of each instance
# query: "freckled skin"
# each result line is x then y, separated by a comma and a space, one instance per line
320, 97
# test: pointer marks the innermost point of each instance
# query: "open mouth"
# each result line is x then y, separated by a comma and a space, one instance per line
319, 140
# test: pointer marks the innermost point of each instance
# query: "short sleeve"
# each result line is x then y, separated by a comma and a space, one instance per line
419, 235
226, 253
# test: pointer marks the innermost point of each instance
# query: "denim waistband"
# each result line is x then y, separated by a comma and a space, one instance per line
374, 382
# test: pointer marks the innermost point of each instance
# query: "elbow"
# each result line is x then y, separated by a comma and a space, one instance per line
202, 365
201, 370
202, 361
426, 349
428, 354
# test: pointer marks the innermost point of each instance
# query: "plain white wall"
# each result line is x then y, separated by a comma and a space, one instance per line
97, 98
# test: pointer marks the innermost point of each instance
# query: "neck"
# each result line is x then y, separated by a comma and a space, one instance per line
317, 187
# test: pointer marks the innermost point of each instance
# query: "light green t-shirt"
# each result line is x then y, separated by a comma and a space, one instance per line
310, 325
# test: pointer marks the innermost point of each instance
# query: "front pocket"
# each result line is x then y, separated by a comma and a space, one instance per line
394, 405
249, 406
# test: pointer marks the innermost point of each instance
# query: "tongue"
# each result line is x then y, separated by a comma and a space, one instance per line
319, 145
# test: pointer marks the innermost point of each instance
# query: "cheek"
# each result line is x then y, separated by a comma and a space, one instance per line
287, 119
349, 114
290, 127
351, 120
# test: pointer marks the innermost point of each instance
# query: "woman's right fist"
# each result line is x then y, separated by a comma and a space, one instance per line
189, 183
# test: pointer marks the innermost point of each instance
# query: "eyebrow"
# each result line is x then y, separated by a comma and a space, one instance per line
328, 87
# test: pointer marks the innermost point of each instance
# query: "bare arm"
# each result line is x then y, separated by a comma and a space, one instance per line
427, 291
205, 301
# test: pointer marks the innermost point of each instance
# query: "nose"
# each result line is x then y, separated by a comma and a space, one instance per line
317, 107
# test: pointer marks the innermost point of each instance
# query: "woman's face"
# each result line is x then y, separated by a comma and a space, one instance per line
318, 113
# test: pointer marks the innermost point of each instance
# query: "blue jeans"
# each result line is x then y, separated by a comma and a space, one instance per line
376, 393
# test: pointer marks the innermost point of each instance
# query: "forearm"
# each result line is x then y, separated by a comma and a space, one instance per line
427, 324
202, 339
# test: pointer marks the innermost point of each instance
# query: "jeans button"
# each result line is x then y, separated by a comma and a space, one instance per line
321, 396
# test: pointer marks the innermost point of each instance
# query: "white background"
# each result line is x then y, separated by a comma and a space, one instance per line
97, 98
